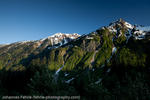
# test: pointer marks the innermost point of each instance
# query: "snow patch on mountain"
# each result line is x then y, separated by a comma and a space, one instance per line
128, 35
59, 69
114, 49
66, 74
68, 81
139, 34
112, 29
99, 80
128, 25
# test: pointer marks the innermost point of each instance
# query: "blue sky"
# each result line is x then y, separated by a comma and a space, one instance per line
35, 19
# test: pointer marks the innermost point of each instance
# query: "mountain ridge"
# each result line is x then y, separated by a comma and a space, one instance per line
111, 62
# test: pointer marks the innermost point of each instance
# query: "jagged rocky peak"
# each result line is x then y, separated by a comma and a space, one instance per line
121, 27
121, 23
116, 26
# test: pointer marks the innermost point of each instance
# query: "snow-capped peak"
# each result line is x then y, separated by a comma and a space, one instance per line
128, 25
60, 39
57, 35
129, 30
64, 35
122, 23
53, 41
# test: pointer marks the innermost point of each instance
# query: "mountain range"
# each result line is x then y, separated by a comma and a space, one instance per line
111, 63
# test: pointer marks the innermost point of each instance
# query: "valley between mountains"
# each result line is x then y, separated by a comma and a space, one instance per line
111, 63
